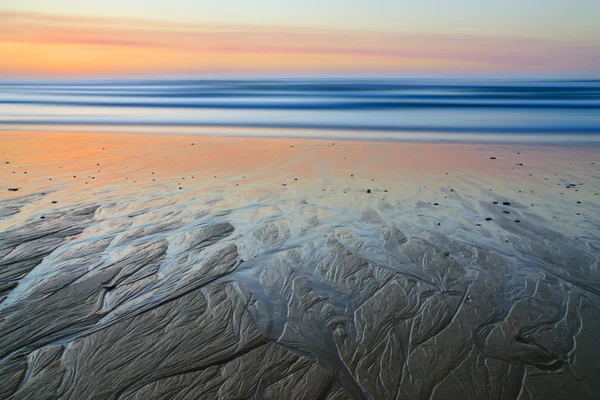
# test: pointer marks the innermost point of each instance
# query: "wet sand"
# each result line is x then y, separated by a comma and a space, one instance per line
164, 266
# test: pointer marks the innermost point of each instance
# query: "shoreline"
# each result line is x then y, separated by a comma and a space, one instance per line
418, 137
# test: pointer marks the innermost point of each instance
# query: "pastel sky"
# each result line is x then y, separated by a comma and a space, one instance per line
309, 37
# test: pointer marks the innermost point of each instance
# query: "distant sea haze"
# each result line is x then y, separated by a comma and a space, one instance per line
363, 109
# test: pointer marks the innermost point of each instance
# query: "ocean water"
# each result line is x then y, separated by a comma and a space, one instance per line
497, 110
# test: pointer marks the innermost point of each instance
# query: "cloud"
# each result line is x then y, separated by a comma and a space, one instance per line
33, 43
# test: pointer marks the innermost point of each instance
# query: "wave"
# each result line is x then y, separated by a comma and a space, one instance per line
516, 107
550, 129
344, 105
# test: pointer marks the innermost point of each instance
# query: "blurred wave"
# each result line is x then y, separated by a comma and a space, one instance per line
419, 106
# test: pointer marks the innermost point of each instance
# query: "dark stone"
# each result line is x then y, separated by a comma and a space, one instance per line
488, 219
368, 190
506, 203
13, 189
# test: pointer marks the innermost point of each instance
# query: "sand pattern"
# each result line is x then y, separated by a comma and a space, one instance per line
401, 281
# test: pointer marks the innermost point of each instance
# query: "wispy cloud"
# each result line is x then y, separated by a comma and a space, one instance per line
32, 43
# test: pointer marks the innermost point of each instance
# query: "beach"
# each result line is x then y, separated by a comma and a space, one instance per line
140, 265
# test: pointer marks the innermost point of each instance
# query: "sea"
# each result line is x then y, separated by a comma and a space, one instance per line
366, 109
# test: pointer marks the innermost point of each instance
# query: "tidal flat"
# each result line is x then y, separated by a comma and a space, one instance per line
139, 266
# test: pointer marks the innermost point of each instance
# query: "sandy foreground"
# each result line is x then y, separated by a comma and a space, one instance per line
184, 267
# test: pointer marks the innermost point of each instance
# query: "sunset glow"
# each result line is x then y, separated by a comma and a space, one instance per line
38, 44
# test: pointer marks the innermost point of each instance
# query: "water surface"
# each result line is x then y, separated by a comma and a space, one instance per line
499, 110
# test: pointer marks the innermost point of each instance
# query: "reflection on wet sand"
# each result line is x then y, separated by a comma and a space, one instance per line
157, 266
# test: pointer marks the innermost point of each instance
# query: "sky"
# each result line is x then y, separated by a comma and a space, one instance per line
310, 37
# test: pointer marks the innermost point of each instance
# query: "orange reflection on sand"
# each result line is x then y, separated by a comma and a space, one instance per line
43, 161
223, 173
59, 155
